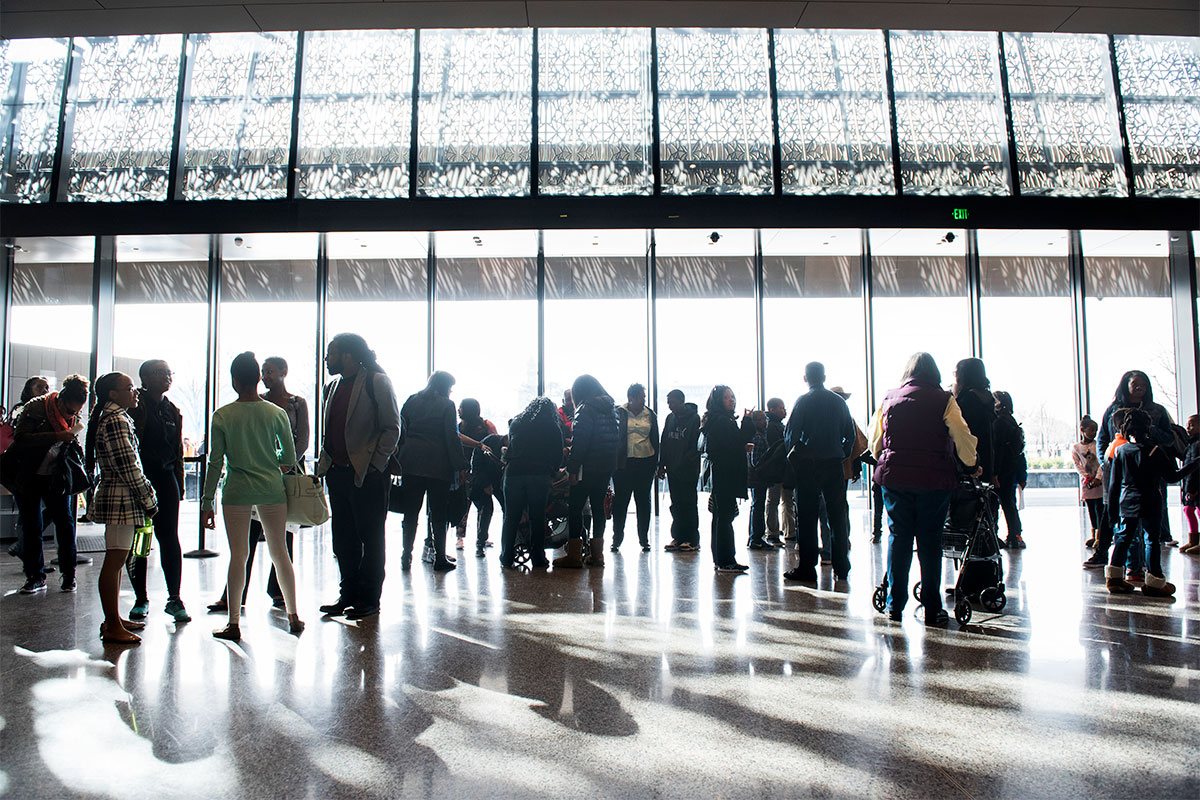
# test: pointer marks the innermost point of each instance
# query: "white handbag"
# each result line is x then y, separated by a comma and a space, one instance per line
306, 503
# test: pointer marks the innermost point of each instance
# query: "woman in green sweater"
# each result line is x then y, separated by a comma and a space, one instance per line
254, 438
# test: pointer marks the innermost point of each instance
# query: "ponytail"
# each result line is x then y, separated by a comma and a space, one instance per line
104, 385
356, 346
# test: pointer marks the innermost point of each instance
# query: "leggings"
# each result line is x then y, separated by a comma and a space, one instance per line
1193, 517
166, 531
1095, 508
237, 528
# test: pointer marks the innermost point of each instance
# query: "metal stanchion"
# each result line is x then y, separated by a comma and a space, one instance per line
201, 551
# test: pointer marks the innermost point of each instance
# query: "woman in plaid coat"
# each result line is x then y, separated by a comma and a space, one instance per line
124, 498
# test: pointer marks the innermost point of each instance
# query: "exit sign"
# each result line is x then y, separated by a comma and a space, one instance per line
959, 213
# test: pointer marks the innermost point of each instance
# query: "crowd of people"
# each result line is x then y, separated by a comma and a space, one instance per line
594, 456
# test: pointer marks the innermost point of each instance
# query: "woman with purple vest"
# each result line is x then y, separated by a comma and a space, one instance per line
916, 433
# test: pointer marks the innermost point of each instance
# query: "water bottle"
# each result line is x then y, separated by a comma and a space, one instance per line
142, 537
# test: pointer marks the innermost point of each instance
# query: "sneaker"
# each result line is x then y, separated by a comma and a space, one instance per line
34, 585
1135, 576
68, 584
688, 547
175, 608
774, 541
1097, 560
936, 618
758, 544
459, 544
733, 567
1015, 543
826, 560
140, 609
671, 546
479, 551
358, 612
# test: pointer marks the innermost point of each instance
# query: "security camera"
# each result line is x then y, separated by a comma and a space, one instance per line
949, 238
714, 237
238, 241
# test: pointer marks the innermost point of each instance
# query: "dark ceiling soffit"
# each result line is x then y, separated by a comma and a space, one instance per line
81, 219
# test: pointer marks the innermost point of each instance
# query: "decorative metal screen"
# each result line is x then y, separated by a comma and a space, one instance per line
714, 110
1064, 115
356, 113
239, 115
474, 123
594, 111
834, 132
122, 117
31, 79
1160, 86
949, 113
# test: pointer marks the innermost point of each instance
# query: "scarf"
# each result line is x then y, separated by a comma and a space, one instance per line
57, 420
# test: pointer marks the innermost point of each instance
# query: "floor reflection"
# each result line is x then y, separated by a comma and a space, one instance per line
653, 676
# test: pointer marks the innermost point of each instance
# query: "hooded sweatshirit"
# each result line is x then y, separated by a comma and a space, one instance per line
678, 450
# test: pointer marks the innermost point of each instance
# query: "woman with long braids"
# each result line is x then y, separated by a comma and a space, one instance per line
535, 452
124, 498
726, 450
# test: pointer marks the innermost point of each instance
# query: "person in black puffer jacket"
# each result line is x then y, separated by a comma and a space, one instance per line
595, 442
679, 463
430, 454
1011, 468
726, 449
535, 452
972, 392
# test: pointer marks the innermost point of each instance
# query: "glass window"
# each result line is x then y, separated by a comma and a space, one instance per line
949, 113
486, 318
50, 328
269, 307
31, 79
594, 113
377, 289
595, 311
1028, 336
122, 119
1128, 307
162, 313
813, 311
919, 279
475, 122
1064, 115
706, 314
1160, 88
239, 115
834, 132
355, 114
714, 109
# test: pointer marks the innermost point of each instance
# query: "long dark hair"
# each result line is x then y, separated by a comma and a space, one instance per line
356, 346
104, 386
971, 374
27, 391
715, 405
440, 382
586, 388
1121, 396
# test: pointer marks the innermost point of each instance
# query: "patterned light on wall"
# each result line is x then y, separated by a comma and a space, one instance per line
949, 113
31, 81
714, 111
1160, 85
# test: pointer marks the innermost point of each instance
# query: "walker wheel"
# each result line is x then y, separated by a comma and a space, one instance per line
993, 598
917, 592
879, 598
962, 611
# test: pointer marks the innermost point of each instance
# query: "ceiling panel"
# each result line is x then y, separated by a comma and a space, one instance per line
26, 18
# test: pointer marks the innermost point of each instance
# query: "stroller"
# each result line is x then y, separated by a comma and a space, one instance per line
970, 540
557, 528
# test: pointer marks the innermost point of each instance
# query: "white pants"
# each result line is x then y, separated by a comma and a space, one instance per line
237, 529
776, 496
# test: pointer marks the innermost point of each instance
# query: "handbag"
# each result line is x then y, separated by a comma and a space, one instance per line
68, 475
306, 503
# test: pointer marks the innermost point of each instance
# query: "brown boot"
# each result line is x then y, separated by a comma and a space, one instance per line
1193, 545
596, 554
1091, 542
1157, 587
1115, 582
571, 560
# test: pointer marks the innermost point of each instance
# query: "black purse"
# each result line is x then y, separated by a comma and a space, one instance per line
68, 476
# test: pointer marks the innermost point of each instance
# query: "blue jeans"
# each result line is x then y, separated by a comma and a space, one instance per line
724, 510
1128, 538
758, 514
525, 493
920, 515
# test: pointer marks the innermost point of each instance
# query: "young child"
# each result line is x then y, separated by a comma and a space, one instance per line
1091, 486
1138, 468
1190, 490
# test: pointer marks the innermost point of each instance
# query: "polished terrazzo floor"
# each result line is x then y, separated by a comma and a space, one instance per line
652, 677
